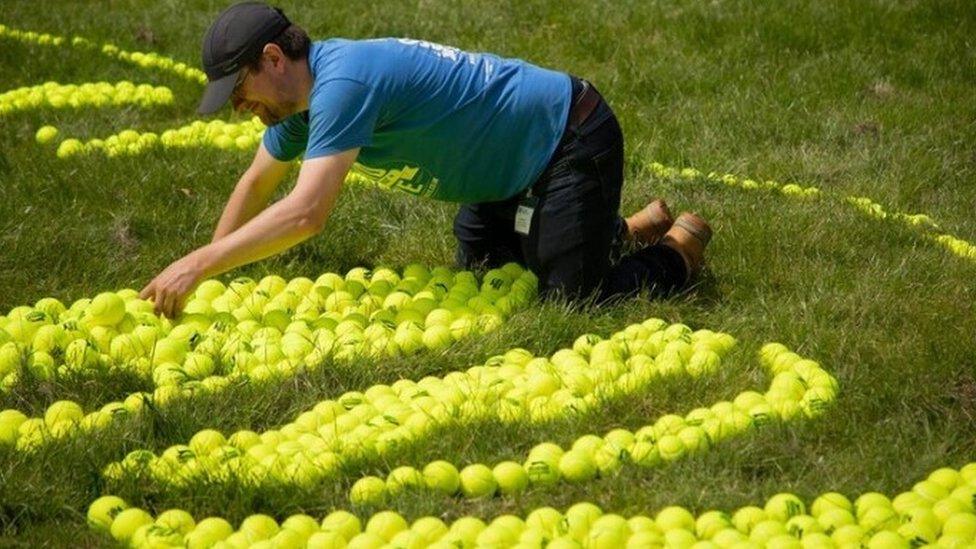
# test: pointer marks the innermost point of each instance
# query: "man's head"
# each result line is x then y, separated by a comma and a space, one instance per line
254, 56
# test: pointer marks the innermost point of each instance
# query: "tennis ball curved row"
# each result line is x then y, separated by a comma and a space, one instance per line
938, 512
866, 206
149, 60
214, 134
244, 332
384, 421
797, 385
89, 94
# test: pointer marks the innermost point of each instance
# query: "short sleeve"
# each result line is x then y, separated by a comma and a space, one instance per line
287, 139
342, 116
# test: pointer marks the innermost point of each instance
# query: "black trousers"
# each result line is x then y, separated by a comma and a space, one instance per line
575, 236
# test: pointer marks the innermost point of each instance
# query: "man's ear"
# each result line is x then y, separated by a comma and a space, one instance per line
274, 57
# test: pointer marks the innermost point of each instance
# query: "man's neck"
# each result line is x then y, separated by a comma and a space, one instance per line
303, 84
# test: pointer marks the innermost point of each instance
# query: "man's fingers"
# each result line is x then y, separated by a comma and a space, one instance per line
168, 304
148, 291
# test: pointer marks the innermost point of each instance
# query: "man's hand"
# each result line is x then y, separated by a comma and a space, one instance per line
169, 289
278, 227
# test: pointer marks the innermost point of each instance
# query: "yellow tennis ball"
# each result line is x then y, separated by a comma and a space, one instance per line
208, 532
106, 309
783, 507
126, 523
442, 476
103, 510
63, 410
386, 524
511, 477
577, 466
477, 481
259, 527
46, 134
369, 491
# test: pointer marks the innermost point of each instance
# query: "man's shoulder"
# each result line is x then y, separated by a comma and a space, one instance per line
367, 61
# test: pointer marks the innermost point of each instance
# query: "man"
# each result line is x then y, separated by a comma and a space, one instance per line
534, 156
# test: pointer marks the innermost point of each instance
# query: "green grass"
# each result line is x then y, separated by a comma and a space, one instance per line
872, 99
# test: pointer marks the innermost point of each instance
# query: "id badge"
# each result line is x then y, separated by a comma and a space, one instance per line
523, 215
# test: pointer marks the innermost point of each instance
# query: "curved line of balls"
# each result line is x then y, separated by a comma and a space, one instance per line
246, 332
864, 205
936, 510
384, 421
798, 387
146, 60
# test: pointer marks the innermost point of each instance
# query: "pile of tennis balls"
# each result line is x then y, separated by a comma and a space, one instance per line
798, 385
385, 420
245, 331
144, 60
938, 510
89, 94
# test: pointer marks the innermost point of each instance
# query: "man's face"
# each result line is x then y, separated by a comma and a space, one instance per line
265, 92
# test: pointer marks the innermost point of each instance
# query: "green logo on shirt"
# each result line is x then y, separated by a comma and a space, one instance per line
400, 176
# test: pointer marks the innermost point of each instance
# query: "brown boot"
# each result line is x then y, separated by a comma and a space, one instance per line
688, 236
649, 224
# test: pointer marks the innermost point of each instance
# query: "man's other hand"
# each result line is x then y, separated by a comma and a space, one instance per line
169, 289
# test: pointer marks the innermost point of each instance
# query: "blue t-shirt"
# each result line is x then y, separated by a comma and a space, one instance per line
430, 120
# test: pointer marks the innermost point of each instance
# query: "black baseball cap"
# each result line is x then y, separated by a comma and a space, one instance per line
235, 39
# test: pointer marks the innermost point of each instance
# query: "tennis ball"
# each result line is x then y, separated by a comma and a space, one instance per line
46, 134
325, 540
477, 481
766, 530
106, 309
543, 471
430, 529
404, 478
208, 531
961, 525
887, 540
342, 522
510, 477
63, 410
868, 500
851, 535
127, 521
102, 512
878, 518
443, 477
829, 501
711, 523
783, 507
437, 337
258, 527
835, 518
10, 422
670, 447
155, 535
546, 520
579, 517
176, 519
69, 147
368, 491
386, 524
675, 518
577, 466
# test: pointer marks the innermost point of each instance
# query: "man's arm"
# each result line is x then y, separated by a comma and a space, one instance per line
294, 218
252, 192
